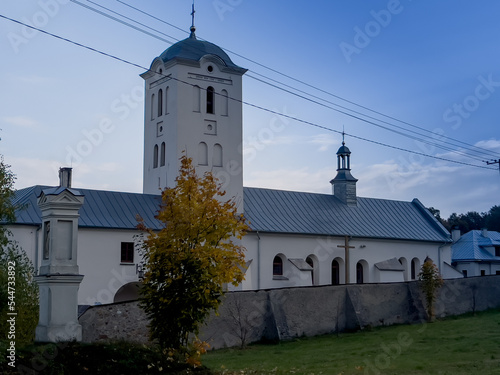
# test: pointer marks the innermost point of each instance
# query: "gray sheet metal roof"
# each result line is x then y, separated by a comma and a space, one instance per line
279, 211
471, 246
274, 211
101, 209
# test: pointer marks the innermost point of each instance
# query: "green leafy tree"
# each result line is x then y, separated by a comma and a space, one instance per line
493, 219
18, 290
430, 282
191, 259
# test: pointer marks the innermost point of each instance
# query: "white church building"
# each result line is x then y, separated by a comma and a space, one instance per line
193, 104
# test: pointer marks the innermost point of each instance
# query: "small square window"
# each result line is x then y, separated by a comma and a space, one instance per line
483, 273
127, 252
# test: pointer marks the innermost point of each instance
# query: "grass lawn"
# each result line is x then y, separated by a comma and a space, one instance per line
464, 345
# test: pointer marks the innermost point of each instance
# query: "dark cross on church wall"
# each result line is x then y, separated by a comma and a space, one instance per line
346, 248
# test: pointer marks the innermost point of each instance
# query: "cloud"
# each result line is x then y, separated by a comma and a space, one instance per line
324, 141
32, 80
21, 121
292, 179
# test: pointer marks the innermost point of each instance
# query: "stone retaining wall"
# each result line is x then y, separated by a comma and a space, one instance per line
281, 314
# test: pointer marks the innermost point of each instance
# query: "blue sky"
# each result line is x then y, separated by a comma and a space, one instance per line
435, 65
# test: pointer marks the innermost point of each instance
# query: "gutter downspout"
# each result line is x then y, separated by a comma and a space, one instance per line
258, 260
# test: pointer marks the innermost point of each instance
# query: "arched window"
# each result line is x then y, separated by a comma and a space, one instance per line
335, 272
415, 266
217, 156
202, 153
160, 102
196, 99
277, 266
359, 273
155, 157
152, 106
225, 103
166, 101
314, 277
162, 154
210, 99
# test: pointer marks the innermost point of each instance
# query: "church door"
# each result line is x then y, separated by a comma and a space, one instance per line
335, 273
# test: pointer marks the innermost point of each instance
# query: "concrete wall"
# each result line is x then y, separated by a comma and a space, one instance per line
281, 314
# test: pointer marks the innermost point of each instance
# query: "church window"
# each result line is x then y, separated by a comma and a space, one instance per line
314, 276
160, 102
155, 157
359, 273
217, 156
335, 272
127, 252
464, 272
202, 153
196, 99
277, 266
483, 272
166, 100
415, 265
152, 106
162, 154
225, 103
210, 99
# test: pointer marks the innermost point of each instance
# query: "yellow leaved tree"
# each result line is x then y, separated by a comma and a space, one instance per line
188, 262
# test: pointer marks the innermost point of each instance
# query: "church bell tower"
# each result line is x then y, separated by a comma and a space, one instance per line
193, 94
344, 184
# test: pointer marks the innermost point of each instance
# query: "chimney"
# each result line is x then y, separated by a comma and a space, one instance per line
455, 234
65, 177
484, 232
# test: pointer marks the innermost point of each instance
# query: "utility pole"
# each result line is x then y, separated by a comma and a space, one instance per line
494, 162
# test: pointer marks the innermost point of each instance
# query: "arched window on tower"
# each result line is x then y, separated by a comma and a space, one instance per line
196, 99
202, 153
225, 103
210, 99
152, 106
217, 156
155, 157
160, 102
166, 101
162, 154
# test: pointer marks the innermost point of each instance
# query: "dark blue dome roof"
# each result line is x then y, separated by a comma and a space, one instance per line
194, 49
343, 150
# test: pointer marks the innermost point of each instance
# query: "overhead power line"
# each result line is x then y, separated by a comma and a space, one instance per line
242, 101
480, 152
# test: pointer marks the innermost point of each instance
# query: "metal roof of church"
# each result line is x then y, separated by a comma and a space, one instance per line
281, 211
274, 211
471, 246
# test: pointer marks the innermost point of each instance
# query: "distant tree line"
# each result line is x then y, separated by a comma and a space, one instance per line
472, 220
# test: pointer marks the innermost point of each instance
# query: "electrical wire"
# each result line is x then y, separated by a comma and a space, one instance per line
458, 143
242, 101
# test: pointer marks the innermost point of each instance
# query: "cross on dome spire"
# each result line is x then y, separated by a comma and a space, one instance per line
192, 28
